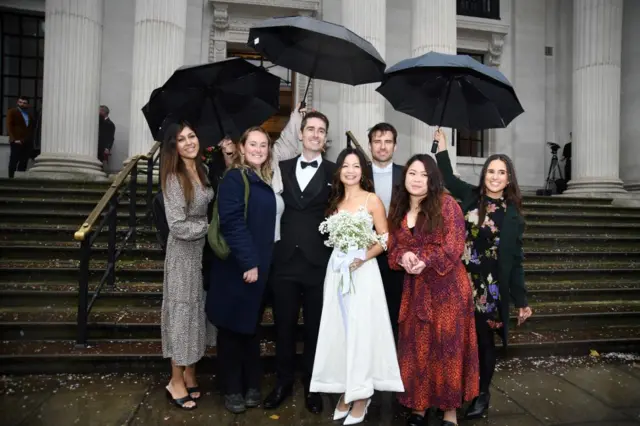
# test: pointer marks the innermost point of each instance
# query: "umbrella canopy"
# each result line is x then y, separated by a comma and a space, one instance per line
218, 99
451, 91
318, 49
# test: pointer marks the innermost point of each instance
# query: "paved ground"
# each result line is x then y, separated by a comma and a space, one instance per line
550, 391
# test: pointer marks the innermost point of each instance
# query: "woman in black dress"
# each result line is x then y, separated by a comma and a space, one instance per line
493, 255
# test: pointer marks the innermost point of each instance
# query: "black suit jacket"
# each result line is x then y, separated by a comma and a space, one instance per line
396, 181
106, 135
303, 213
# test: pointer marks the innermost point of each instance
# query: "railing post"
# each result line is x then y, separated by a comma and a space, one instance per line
150, 191
83, 291
112, 212
133, 195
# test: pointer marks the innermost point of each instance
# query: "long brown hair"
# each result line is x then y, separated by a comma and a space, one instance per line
265, 172
337, 187
430, 214
172, 164
511, 193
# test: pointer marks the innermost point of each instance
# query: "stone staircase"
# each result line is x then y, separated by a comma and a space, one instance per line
582, 266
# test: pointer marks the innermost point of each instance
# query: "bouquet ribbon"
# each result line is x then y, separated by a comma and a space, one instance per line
341, 262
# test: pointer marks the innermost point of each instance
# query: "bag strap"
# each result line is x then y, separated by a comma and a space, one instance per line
246, 192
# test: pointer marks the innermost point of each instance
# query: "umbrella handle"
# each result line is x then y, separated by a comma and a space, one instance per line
434, 147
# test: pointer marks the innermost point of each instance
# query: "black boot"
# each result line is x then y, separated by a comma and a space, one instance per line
479, 407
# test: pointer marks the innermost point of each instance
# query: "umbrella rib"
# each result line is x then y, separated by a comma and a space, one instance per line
490, 102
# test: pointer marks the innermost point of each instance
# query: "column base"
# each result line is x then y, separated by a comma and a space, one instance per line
633, 188
66, 167
596, 188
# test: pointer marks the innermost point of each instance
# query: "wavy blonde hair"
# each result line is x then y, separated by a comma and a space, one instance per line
265, 171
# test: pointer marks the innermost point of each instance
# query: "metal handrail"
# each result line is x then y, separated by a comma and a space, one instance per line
88, 232
85, 228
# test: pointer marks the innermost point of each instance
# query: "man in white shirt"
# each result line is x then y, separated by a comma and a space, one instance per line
386, 177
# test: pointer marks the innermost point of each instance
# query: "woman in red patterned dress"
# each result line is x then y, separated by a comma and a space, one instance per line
437, 343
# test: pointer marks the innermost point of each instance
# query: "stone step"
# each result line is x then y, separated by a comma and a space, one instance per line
151, 252
48, 357
58, 217
149, 294
583, 227
56, 233
54, 322
41, 270
565, 201
530, 208
61, 204
602, 215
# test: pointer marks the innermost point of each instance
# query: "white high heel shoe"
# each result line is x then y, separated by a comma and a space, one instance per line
339, 415
351, 420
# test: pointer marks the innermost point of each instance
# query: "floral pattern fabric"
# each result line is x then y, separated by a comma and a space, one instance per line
481, 258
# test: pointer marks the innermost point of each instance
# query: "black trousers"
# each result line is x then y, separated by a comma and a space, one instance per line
239, 363
18, 158
393, 282
300, 283
486, 351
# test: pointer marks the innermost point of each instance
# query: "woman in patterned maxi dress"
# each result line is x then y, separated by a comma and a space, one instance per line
186, 196
437, 344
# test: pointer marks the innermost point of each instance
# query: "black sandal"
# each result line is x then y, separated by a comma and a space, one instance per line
179, 402
195, 389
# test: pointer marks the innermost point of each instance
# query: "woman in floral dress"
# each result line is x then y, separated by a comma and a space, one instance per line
492, 256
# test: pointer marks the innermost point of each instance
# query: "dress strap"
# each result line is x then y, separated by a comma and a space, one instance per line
366, 202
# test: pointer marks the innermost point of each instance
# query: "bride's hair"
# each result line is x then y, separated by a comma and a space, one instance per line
337, 187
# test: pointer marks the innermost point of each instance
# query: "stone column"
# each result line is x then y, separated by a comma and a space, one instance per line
71, 91
433, 28
158, 50
361, 107
629, 123
597, 44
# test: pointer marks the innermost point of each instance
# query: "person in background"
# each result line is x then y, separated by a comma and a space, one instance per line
387, 176
492, 255
566, 156
20, 126
106, 134
186, 196
437, 346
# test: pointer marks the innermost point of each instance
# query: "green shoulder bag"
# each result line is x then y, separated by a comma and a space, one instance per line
214, 236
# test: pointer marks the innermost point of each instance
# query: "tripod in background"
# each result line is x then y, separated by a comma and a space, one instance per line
552, 180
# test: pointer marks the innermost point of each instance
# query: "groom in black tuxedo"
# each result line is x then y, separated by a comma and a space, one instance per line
301, 258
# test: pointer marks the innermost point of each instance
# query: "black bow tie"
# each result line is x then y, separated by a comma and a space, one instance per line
313, 164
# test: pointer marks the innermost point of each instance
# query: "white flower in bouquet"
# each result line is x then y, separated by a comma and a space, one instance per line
351, 234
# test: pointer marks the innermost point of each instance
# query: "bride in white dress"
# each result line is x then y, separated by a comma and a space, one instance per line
356, 351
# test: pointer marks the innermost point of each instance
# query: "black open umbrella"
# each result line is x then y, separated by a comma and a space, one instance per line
317, 49
451, 91
218, 99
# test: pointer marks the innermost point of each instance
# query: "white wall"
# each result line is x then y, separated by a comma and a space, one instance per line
630, 102
326, 95
399, 48
194, 33
529, 131
117, 63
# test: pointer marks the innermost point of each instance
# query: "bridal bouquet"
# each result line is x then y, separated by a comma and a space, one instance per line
351, 234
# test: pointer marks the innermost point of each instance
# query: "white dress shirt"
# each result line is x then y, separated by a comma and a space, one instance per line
383, 181
305, 175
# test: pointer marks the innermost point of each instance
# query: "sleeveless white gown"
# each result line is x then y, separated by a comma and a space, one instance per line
356, 352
